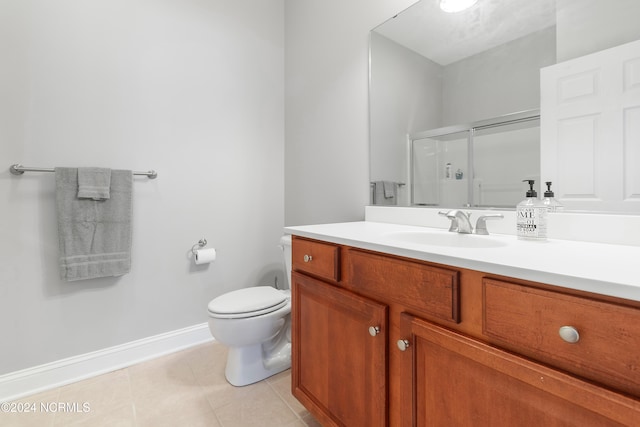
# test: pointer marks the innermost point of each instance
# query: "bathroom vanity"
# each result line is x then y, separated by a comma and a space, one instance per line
409, 326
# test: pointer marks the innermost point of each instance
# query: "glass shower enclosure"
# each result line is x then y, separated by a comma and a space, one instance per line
481, 164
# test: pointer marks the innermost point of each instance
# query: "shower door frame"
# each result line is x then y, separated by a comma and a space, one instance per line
470, 128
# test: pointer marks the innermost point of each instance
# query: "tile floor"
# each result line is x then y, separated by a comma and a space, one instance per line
187, 388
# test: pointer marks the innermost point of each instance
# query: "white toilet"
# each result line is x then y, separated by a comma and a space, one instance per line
255, 324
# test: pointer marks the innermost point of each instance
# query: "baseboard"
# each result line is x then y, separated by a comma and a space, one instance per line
16, 385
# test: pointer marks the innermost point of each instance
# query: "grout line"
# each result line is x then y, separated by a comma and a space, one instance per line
283, 399
204, 395
133, 402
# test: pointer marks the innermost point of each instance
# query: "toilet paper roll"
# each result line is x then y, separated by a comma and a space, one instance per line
205, 256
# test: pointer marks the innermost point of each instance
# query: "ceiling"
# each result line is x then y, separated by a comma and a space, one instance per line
449, 37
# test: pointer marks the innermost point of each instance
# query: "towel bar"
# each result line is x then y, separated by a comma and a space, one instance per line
400, 184
18, 169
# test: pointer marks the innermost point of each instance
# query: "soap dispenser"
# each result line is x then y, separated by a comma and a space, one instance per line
531, 216
552, 204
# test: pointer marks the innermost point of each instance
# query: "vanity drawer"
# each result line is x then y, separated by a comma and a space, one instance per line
316, 258
528, 320
425, 289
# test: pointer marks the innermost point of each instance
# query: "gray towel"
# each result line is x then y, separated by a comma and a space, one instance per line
382, 191
389, 189
94, 183
94, 236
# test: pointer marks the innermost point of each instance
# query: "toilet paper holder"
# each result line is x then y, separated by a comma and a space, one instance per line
201, 244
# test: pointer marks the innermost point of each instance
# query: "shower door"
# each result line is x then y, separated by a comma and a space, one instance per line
479, 165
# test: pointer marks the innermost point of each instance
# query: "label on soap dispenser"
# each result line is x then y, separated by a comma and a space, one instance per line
531, 222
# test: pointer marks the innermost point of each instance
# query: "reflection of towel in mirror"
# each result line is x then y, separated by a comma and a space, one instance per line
385, 193
389, 189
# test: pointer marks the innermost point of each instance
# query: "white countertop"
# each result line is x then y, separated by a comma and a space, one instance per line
594, 267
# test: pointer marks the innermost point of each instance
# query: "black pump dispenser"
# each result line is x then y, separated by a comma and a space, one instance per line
552, 204
548, 193
531, 192
531, 216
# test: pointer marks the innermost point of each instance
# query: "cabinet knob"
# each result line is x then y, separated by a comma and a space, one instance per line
307, 258
374, 330
403, 345
569, 334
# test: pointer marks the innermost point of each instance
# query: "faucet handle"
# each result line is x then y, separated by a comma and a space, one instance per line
454, 220
481, 224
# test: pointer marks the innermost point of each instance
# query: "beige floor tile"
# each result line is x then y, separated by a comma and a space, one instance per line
165, 392
102, 400
187, 388
297, 423
205, 358
279, 377
170, 369
261, 407
220, 393
281, 383
180, 411
147, 394
157, 382
30, 411
310, 421
116, 416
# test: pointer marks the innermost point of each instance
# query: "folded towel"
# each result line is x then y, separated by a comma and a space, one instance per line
381, 191
94, 183
389, 189
94, 237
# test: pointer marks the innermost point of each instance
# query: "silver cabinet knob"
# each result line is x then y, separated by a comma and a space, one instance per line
307, 258
374, 330
403, 345
569, 334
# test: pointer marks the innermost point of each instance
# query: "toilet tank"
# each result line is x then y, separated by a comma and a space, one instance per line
285, 243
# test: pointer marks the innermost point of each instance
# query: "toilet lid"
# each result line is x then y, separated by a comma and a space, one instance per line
247, 302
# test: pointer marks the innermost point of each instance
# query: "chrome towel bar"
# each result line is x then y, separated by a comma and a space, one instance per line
18, 169
400, 184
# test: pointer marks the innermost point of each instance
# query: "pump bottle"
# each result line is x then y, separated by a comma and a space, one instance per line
552, 204
531, 216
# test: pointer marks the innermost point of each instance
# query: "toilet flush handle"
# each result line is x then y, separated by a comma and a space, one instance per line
307, 258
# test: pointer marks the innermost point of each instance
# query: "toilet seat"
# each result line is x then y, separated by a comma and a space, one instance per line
248, 302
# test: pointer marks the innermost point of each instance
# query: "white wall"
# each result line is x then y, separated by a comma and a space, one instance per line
326, 127
191, 88
589, 26
498, 81
405, 97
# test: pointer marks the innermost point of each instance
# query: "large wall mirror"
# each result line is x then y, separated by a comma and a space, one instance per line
455, 97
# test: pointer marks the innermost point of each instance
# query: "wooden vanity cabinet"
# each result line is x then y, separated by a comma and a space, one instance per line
456, 347
339, 349
450, 379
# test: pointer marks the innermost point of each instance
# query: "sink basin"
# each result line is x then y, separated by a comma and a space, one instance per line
445, 238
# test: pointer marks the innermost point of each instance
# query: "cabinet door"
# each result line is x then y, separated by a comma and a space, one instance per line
339, 354
452, 380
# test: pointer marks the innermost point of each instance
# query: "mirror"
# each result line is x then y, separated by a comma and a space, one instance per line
455, 97
442, 160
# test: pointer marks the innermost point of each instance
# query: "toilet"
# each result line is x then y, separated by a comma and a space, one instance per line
255, 324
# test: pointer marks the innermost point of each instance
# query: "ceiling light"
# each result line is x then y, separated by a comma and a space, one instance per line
453, 6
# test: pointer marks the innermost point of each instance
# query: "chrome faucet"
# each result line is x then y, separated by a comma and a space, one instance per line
481, 223
459, 221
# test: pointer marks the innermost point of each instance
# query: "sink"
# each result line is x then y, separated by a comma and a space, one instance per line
445, 238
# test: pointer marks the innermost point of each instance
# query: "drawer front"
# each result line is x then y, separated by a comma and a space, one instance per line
431, 291
316, 258
528, 320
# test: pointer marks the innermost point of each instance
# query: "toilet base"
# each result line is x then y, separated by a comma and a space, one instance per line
248, 365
